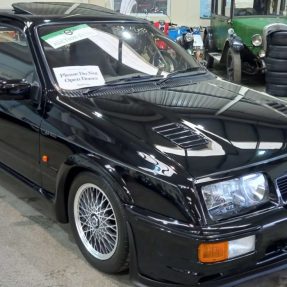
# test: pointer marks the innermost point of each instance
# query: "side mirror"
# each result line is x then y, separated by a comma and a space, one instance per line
14, 90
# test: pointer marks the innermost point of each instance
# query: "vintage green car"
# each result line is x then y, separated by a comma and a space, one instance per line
250, 36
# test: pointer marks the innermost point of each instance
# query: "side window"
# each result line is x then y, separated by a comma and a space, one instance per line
228, 8
15, 57
219, 7
249, 7
224, 7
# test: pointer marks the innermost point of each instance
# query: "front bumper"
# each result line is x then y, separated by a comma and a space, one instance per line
164, 253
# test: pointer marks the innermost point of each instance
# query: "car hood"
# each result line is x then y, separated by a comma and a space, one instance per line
237, 126
246, 27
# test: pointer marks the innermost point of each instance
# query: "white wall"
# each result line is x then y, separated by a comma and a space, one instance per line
183, 12
186, 12
105, 3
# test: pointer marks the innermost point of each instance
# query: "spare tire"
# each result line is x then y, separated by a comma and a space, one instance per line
276, 90
276, 65
276, 78
278, 52
279, 38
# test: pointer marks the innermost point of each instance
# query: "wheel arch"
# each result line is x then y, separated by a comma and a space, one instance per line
235, 43
224, 52
70, 170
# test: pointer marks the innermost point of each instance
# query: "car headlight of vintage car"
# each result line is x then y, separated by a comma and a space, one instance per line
256, 40
232, 197
188, 37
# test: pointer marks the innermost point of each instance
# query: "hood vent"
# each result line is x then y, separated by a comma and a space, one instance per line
278, 107
182, 135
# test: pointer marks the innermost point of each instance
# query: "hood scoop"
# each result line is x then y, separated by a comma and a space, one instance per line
182, 135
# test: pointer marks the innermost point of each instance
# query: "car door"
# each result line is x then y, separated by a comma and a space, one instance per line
20, 116
220, 21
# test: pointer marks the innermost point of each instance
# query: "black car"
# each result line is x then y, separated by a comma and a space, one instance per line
157, 164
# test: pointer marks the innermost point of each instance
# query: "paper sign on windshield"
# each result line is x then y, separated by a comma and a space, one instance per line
69, 35
77, 77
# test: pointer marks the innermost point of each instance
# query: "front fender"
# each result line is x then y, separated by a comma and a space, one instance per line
74, 165
133, 187
234, 43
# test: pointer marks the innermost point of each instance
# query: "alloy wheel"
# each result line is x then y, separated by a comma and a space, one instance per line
96, 222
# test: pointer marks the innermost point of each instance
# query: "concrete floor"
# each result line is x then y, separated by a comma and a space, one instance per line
36, 251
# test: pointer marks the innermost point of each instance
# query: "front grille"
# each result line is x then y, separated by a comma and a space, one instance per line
282, 186
182, 135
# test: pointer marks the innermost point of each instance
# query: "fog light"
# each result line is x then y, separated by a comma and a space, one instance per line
221, 251
262, 54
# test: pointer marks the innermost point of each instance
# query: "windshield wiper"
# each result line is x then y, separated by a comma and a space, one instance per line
124, 80
186, 72
137, 78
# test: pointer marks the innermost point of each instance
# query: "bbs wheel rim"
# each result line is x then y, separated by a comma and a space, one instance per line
96, 221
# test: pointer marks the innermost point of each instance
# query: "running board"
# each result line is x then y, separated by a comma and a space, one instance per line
215, 56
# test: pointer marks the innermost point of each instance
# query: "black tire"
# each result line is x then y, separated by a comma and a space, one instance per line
277, 52
118, 258
207, 48
276, 65
279, 39
276, 78
276, 90
233, 66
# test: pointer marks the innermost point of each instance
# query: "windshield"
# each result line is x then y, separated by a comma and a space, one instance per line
87, 55
260, 7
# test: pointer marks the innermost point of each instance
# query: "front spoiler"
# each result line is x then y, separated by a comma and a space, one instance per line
230, 273
240, 278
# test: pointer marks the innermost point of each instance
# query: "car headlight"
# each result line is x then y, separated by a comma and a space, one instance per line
256, 40
262, 54
235, 196
188, 37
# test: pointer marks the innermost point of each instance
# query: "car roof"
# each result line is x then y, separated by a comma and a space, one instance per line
40, 12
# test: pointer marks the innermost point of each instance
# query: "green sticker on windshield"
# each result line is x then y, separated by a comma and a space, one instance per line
69, 35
